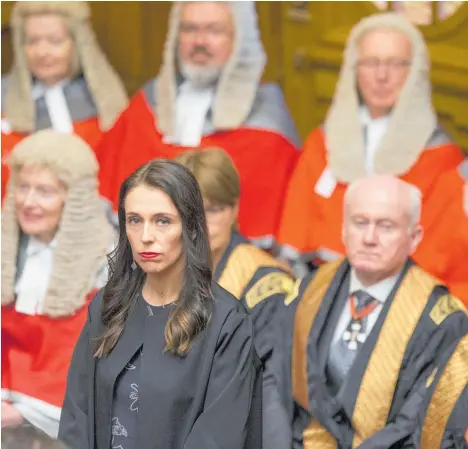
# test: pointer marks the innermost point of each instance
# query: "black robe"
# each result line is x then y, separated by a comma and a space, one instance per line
385, 386
209, 399
442, 422
262, 285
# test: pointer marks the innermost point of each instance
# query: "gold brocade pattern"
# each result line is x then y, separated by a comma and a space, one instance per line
294, 293
445, 306
269, 285
448, 390
317, 437
305, 315
241, 266
379, 381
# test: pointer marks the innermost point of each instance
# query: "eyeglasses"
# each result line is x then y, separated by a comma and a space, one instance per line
394, 64
210, 31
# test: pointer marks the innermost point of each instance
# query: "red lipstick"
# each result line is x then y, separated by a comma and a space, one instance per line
149, 255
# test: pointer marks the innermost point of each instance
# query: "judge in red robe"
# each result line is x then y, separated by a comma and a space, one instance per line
60, 77
381, 121
446, 224
208, 93
55, 237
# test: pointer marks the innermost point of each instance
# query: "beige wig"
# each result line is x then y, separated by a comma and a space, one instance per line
84, 234
103, 82
239, 80
412, 121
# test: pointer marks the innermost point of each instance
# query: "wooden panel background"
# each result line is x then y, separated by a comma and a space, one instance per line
132, 34
304, 42
313, 44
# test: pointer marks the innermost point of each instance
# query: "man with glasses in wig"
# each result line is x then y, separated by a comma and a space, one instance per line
381, 121
208, 94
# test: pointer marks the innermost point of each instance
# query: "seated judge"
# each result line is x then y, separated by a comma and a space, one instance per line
254, 277
55, 236
60, 77
209, 93
365, 330
381, 121
166, 358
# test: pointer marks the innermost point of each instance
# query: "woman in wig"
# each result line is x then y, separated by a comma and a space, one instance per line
60, 77
55, 236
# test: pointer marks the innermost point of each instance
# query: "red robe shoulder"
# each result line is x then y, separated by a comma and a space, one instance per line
264, 150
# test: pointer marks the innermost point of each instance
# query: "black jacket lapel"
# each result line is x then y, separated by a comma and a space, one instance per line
111, 366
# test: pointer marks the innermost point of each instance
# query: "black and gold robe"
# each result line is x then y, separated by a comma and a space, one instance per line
385, 385
262, 284
443, 420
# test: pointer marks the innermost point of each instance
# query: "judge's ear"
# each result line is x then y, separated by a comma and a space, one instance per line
417, 235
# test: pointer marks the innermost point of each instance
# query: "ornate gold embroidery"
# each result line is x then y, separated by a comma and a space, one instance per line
293, 294
449, 388
304, 318
271, 284
242, 264
317, 437
445, 306
383, 369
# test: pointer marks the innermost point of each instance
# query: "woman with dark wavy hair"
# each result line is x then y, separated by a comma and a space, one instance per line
166, 359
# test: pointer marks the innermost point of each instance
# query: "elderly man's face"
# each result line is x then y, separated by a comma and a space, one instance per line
206, 37
384, 58
378, 231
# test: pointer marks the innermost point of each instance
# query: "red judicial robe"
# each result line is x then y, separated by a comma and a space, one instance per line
311, 222
264, 151
446, 225
83, 114
36, 355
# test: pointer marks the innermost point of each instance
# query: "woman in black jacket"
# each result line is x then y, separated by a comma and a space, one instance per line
166, 359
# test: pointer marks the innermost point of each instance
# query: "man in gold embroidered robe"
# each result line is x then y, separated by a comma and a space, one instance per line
366, 330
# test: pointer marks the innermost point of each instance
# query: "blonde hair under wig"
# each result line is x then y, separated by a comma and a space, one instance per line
216, 174
412, 121
84, 233
104, 84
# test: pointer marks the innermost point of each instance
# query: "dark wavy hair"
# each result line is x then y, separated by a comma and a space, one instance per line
193, 309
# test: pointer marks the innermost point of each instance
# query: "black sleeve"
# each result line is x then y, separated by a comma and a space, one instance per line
73, 429
282, 360
264, 298
404, 426
229, 418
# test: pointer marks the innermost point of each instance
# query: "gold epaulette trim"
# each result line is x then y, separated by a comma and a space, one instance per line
243, 263
444, 307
